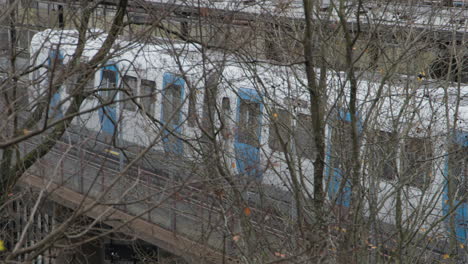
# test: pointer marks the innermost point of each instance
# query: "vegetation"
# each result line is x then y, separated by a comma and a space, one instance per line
364, 160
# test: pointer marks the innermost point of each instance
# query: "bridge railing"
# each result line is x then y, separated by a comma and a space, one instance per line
182, 207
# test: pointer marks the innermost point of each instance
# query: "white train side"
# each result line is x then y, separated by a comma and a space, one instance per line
261, 119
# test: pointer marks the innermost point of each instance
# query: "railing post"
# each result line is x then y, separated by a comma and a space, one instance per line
174, 214
81, 174
234, 237
148, 194
61, 171
174, 207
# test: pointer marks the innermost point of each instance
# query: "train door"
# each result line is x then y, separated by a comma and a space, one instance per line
339, 156
55, 62
457, 169
247, 139
107, 113
171, 113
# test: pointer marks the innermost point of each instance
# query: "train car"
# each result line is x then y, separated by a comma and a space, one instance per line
173, 99
170, 89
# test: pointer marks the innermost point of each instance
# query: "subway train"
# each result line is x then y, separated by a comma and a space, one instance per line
412, 132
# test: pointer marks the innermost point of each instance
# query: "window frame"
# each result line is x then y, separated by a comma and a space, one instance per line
379, 146
145, 98
226, 112
460, 181
127, 102
278, 129
409, 158
169, 102
337, 139
108, 95
308, 136
56, 61
249, 131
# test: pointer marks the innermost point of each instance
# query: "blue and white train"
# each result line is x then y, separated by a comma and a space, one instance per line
411, 139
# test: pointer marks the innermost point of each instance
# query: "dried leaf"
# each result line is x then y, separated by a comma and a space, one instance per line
247, 211
219, 193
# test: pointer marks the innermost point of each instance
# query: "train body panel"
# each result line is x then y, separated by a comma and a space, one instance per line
259, 115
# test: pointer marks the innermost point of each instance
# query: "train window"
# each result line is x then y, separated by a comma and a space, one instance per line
341, 146
416, 160
249, 123
71, 83
129, 84
108, 85
458, 168
74, 80
225, 113
304, 137
192, 114
383, 157
90, 83
55, 64
172, 103
211, 88
37, 79
148, 93
280, 130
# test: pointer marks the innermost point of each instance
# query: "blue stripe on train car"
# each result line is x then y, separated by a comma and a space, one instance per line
172, 144
248, 155
108, 114
461, 211
55, 110
333, 175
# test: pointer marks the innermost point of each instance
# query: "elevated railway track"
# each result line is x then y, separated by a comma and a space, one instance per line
180, 216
